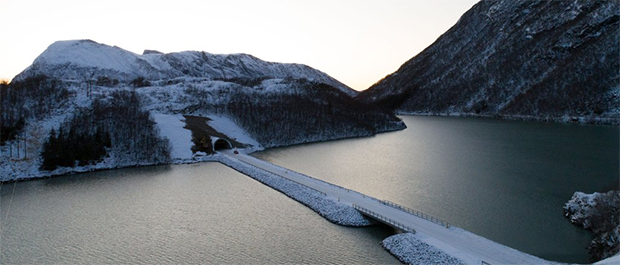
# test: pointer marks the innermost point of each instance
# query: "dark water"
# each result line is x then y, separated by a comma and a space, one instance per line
185, 214
504, 180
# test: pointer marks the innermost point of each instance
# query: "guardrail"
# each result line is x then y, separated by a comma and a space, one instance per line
417, 213
384, 219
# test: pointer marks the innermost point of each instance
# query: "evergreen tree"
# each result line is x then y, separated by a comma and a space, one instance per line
50, 152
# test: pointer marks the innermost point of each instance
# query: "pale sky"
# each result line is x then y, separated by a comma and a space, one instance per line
357, 42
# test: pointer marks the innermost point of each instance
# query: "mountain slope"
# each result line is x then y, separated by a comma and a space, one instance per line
539, 59
86, 60
83, 106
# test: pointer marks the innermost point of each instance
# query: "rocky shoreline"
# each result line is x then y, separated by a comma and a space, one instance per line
599, 213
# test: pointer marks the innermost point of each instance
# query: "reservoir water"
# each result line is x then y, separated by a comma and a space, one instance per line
504, 180
183, 214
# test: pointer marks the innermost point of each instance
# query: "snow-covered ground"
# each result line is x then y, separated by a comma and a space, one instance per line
166, 99
171, 127
89, 71
229, 128
455, 242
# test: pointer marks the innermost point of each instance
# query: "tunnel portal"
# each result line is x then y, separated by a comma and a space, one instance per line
221, 144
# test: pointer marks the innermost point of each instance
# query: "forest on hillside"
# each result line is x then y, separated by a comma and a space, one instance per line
306, 112
114, 125
85, 123
32, 98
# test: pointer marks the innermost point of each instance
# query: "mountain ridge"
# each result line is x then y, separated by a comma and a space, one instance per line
87, 59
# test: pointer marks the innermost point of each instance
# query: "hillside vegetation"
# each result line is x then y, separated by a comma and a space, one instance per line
544, 60
75, 110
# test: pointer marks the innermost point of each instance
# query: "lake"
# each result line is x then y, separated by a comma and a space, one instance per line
504, 180
182, 214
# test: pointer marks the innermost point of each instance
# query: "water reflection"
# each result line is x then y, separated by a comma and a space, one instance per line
505, 180
204, 213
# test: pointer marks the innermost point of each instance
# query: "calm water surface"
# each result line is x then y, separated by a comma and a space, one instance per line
185, 214
504, 180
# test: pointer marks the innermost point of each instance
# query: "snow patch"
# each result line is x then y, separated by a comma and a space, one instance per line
172, 127
226, 126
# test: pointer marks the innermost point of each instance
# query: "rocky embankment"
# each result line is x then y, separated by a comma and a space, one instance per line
331, 210
410, 250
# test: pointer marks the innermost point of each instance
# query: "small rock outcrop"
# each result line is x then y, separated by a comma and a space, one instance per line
600, 213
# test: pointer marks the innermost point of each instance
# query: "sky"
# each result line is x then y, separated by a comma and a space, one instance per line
357, 42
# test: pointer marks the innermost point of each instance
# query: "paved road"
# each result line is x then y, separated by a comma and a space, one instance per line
471, 248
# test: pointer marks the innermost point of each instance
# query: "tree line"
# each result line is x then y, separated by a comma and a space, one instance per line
115, 125
80, 146
34, 97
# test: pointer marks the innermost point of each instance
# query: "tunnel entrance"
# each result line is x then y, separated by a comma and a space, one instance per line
221, 144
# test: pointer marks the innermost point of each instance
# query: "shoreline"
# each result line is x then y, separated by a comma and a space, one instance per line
102, 166
197, 159
90, 169
584, 120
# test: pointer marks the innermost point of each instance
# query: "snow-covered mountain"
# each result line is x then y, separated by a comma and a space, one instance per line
83, 106
87, 60
539, 59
